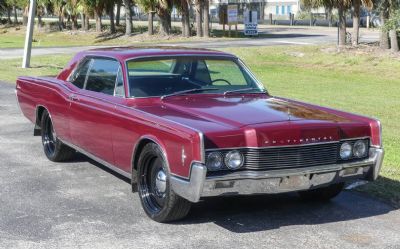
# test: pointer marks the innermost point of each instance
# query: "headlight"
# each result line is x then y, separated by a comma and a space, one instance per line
360, 148
234, 159
214, 161
345, 151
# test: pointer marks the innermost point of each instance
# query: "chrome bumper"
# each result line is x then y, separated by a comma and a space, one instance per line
275, 181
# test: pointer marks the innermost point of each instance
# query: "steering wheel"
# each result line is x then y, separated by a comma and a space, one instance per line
224, 80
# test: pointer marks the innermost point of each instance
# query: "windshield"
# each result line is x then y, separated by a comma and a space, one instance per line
164, 76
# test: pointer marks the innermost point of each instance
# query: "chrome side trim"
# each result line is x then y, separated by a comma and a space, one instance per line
97, 159
190, 190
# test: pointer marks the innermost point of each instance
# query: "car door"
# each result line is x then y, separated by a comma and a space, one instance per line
92, 108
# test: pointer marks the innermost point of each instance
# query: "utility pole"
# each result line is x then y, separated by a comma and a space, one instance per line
29, 32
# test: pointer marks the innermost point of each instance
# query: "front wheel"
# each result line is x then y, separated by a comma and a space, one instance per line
54, 149
158, 199
322, 194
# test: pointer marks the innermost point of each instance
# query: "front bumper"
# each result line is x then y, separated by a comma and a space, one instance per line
275, 181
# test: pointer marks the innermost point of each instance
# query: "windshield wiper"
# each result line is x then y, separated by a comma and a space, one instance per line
188, 91
244, 90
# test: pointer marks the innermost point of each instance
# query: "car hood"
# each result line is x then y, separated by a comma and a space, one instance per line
234, 112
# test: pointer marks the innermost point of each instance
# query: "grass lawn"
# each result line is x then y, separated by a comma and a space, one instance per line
355, 81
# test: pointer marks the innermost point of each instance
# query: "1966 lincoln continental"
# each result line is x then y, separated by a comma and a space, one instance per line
184, 124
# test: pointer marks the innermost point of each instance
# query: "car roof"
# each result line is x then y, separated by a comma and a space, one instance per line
124, 53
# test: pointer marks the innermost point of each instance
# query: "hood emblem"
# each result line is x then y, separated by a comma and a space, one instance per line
307, 140
289, 113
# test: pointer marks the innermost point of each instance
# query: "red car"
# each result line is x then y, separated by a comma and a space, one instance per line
184, 124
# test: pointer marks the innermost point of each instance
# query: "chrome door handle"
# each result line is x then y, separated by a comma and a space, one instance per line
73, 97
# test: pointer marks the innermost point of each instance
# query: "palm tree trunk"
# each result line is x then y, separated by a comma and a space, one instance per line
165, 21
384, 41
199, 30
9, 15
118, 14
150, 27
87, 24
394, 44
185, 19
342, 26
98, 21
356, 22
206, 7
128, 17
111, 15
15, 14
83, 24
74, 22
25, 16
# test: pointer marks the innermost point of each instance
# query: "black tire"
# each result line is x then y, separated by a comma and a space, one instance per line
54, 149
158, 200
322, 194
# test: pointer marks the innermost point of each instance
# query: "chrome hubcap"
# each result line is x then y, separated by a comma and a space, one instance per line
161, 182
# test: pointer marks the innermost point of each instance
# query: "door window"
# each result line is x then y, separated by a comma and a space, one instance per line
79, 76
119, 85
102, 76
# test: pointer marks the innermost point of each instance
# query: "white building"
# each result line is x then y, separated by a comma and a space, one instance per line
264, 7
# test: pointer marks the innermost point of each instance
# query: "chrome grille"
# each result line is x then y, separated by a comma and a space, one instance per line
289, 157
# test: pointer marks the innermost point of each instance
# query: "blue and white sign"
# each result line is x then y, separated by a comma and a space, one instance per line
250, 23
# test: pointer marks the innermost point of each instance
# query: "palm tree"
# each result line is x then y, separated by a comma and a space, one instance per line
164, 8
72, 7
149, 6
198, 8
206, 9
128, 17
341, 5
356, 18
109, 5
183, 6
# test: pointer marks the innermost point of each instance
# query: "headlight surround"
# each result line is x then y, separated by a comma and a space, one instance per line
234, 159
345, 151
214, 161
360, 148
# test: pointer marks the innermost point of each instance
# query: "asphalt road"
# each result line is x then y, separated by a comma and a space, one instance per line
274, 36
81, 204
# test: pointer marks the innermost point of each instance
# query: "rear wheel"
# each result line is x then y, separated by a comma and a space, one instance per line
322, 194
54, 149
158, 199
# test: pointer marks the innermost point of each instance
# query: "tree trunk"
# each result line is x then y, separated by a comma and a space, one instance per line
356, 22
384, 41
83, 24
342, 26
60, 22
25, 16
150, 23
9, 15
128, 17
199, 30
394, 44
98, 21
40, 22
87, 24
185, 19
206, 7
15, 15
118, 14
74, 22
165, 21
111, 15
329, 16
